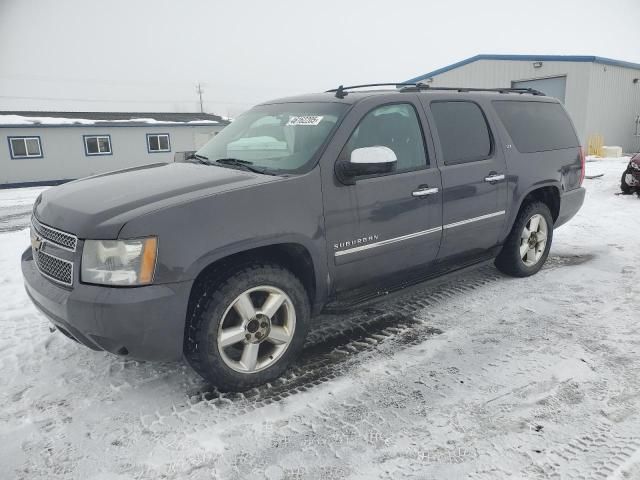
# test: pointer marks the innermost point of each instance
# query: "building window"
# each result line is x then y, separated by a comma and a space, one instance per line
158, 142
25, 147
97, 144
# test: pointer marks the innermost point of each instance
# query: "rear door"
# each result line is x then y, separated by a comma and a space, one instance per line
473, 170
388, 224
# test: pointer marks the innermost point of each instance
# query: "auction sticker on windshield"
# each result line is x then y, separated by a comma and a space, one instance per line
305, 120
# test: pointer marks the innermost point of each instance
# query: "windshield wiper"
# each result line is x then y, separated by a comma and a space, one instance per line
243, 164
201, 158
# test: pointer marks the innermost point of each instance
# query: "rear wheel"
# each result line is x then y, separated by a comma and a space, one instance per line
527, 246
246, 329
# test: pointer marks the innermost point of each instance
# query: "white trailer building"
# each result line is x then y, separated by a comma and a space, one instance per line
53, 147
601, 95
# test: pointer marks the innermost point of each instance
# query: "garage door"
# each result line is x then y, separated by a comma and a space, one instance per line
553, 87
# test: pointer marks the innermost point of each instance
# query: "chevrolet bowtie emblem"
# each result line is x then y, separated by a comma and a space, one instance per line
36, 242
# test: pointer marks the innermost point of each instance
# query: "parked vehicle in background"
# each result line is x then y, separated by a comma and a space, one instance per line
301, 203
630, 181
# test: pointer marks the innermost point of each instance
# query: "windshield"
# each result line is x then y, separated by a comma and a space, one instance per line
282, 137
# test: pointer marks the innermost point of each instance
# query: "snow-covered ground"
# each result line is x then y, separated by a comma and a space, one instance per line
480, 376
15, 208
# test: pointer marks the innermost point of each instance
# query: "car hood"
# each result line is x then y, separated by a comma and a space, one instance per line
98, 207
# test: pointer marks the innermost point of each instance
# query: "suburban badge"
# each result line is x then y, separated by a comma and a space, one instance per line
355, 242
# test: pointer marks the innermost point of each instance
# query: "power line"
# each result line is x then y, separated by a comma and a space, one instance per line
129, 83
92, 81
111, 100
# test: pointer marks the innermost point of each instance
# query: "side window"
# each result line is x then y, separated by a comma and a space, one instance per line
158, 142
25, 147
462, 130
394, 126
536, 126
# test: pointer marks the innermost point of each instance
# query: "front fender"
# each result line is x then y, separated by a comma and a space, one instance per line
318, 258
193, 235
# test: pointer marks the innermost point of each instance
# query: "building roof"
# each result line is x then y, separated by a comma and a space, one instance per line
75, 119
530, 58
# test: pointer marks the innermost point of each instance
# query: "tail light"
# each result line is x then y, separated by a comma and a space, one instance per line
582, 165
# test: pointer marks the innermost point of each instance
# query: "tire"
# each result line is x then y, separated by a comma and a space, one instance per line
626, 189
510, 260
237, 336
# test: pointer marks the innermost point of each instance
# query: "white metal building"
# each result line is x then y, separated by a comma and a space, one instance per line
601, 95
53, 147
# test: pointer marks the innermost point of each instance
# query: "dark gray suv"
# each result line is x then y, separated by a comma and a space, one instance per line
299, 204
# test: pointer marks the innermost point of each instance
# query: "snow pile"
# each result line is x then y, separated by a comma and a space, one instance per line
595, 158
153, 120
22, 120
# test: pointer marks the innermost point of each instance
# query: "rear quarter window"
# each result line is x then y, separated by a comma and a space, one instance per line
536, 126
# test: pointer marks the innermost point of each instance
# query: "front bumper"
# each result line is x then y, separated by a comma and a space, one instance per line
570, 203
145, 323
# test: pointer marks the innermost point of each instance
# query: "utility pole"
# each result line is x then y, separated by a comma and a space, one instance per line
200, 92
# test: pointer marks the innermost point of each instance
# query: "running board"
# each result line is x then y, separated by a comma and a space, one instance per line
364, 298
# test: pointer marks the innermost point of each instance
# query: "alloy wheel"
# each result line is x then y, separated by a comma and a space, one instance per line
533, 240
256, 329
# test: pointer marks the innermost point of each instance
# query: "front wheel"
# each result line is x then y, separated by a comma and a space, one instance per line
527, 246
246, 329
624, 186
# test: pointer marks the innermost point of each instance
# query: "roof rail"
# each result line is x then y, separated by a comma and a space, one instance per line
341, 91
424, 86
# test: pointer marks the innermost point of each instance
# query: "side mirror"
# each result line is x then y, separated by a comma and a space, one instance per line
367, 161
181, 157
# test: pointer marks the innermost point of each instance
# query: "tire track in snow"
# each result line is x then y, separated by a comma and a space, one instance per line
335, 344
335, 341
15, 221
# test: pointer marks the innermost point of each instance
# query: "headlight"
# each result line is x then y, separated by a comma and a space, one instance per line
119, 262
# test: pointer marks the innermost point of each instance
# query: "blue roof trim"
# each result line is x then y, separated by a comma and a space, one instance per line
530, 58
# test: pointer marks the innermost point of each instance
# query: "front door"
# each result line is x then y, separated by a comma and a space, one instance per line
473, 172
383, 225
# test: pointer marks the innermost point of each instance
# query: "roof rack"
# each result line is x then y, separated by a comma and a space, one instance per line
341, 91
424, 86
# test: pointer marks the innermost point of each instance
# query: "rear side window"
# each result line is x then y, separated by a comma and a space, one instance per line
536, 126
462, 130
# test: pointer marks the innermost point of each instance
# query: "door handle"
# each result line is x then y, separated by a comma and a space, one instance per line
424, 191
494, 177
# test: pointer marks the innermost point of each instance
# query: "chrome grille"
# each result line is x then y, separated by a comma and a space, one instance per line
54, 268
62, 239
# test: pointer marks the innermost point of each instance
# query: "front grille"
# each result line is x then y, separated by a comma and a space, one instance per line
62, 239
54, 268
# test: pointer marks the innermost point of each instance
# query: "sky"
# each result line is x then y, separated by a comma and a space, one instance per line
148, 55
